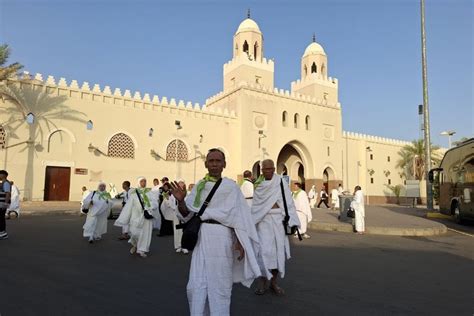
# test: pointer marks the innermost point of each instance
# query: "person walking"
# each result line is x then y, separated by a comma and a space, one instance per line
359, 208
5, 199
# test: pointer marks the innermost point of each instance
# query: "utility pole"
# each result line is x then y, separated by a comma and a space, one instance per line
426, 112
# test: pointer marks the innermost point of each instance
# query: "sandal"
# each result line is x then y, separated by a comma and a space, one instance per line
277, 290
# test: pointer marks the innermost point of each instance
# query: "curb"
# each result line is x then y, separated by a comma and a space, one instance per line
55, 212
438, 215
438, 229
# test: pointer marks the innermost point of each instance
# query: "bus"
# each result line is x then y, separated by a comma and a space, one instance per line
455, 179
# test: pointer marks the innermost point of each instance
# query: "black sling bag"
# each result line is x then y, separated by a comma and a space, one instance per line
145, 212
288, 230
85, 210
191, 228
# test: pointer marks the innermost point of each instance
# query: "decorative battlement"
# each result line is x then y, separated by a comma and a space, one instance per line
374, 139
106, 92
275, 92
319, 78
266, 64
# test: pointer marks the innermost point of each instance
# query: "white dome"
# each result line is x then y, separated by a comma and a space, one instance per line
248, 25
314, 49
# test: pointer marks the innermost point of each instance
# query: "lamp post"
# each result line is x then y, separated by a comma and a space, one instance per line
449, 134
426, 112
178, 127
367, 150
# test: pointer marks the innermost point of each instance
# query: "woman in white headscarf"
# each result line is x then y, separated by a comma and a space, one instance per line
97, 205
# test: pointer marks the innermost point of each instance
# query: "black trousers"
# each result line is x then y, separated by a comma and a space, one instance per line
323, 201
2, 219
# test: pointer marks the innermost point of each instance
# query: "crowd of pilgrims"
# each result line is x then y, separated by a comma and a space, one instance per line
243, 235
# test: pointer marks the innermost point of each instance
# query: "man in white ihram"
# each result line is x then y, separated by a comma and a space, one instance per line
247, 187
138, 213
268, 213
302, 209
224, 253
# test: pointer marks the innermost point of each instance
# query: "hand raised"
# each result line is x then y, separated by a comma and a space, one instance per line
177, 192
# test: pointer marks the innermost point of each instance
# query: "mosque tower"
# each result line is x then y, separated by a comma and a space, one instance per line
314, 80
248, 63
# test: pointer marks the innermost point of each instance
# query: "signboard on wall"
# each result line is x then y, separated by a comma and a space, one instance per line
81, 171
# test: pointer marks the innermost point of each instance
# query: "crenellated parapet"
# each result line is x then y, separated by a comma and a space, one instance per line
115, 96
265, 64
374, 139
273, 92
312, 78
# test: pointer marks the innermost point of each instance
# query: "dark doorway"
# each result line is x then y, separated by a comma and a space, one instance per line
57, 183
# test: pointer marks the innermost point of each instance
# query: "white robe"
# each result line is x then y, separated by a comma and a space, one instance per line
274, 244
247, 191
96, 220
15, 201
85, 194
335, 198
141, 229
303, 210
359, 208
177, 219
214, 264
313, 197
125, 197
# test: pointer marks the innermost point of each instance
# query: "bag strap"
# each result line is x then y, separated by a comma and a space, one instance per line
209, 197
140, 199
93, 193
287, 216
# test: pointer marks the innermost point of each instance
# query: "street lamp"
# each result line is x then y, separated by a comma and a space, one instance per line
178, 127
367, 150
449, 134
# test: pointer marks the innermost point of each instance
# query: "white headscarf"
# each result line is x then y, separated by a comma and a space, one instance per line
102, 183
138, 181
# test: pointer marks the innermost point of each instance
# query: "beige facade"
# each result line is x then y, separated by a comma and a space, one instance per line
100, 134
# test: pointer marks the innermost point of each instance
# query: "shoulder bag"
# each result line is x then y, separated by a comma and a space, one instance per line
191, 228
145, 212
85, 210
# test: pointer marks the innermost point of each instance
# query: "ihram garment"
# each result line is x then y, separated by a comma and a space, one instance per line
303, 210
268, 213
247, 191
125, 197
96, 220
359, 208
214, 264
141, 229
15, 201
335, 198
313, 197
169, 208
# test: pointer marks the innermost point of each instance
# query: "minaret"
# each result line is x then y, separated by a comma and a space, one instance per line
248, 63
314, 80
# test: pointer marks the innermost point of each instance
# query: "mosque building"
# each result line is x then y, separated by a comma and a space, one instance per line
64, 137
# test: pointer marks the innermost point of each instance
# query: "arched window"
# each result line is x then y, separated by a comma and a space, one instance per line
314, 69
3, 138
255, 48
121, 146
181, 152
305, 70
297, 120
323, 70
284, 118
307, 122
246, 47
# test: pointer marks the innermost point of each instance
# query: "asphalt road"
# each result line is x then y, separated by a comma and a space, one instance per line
49, 269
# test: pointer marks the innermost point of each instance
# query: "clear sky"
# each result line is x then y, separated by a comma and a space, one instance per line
177, 49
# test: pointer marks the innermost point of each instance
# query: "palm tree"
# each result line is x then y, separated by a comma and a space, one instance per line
7, 72
412, 159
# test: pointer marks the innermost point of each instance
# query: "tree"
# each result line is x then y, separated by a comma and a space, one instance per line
396, 190
412, 159
7, 72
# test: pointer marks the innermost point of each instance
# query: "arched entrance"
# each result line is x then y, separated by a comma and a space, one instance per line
291, 162
256, 170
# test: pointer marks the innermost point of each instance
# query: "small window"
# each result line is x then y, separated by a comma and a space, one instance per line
371, 157
255, 49
284, 118
305, 70
89, 125
257, 79
325, 96
307, 122
389, 182
246, 47
405, 182
314, 69
388, 158
372, 180
329, 151
297, 120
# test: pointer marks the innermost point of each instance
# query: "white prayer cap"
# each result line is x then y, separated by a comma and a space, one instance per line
140, 179
102, 183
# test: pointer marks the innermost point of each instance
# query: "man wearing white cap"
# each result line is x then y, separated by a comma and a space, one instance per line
97, 206
138, 213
